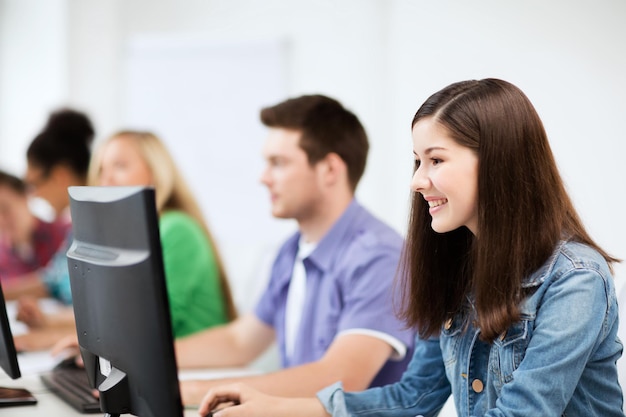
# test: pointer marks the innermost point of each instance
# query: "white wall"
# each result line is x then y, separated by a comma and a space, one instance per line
382, 58
569, 59
33, 71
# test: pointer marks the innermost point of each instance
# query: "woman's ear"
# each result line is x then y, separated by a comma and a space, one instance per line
62, 174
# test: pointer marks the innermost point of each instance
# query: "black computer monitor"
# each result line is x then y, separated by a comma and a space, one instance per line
120, 301
8, 355
8, 362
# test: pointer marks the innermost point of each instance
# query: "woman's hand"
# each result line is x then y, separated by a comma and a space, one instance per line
29, 313
68, 343
233, 400
237, 400
39, 339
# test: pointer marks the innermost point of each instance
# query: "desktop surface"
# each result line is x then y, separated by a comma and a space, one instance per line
48, 403
35, 364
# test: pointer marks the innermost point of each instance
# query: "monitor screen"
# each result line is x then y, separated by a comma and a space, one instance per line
8, 355
10, 396
120, 301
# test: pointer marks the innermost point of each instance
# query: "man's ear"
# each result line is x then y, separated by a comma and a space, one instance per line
334, 169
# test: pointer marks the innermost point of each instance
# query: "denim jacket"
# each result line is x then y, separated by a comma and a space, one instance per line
558, 360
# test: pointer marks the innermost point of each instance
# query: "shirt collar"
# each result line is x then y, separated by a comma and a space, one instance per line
325, 253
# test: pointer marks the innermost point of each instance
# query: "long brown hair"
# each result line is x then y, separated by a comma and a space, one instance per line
523, 212
171, 192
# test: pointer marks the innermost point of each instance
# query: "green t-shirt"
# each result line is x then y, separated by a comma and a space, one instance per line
191, 274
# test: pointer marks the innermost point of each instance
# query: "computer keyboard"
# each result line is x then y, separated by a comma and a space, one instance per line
72, 385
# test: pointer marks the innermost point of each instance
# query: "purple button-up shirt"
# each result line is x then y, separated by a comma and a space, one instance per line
349, 286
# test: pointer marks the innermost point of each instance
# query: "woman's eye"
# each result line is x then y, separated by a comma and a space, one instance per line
436, 161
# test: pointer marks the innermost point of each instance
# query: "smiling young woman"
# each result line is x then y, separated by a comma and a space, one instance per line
513, 300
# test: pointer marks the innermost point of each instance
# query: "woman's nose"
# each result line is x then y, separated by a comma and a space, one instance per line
105, 180
419, 181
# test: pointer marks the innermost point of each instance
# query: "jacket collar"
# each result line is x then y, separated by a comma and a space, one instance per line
539, 276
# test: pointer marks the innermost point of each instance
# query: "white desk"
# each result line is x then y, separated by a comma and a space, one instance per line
52, 406
33, 364
48, 403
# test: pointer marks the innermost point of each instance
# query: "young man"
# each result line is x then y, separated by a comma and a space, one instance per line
328, 303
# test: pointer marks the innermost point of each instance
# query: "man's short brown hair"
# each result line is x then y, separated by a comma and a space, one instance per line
326, 127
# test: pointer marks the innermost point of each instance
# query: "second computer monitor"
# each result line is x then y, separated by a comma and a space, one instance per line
120, 301
8, 355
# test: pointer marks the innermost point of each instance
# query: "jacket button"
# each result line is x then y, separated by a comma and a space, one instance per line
448, 324
477, 386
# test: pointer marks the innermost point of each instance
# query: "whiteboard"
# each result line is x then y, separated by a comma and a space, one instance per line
203, 99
